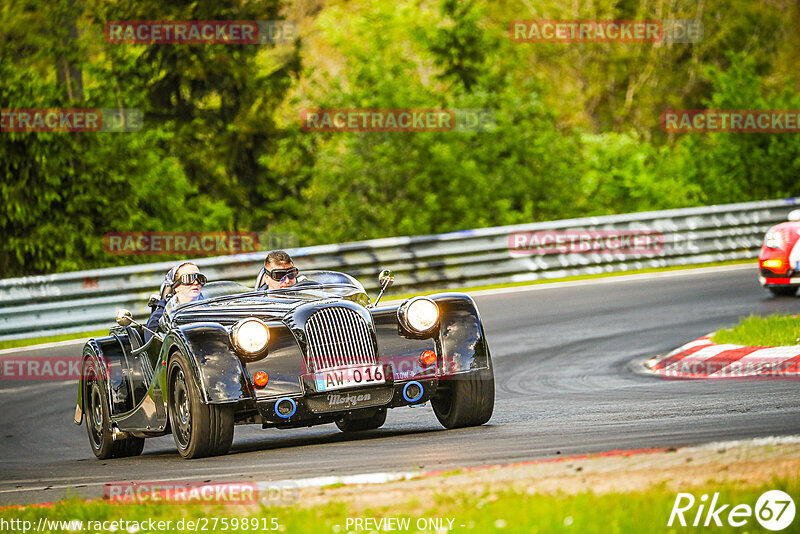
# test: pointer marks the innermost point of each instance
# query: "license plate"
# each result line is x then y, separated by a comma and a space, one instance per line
352, 376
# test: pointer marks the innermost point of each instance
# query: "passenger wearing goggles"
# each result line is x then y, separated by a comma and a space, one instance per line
187, 285
278, 271
182, 283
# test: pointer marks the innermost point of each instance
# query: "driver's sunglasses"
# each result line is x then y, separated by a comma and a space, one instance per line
279, 275
191, 278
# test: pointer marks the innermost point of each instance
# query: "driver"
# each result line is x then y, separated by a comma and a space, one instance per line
183, 282
279, 271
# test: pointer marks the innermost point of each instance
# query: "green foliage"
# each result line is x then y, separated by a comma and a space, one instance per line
459, 46
194, 165
62, 192
376, 184
575, 126
736, 167
623, 174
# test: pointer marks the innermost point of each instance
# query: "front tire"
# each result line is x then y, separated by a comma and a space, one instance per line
349, 424
199, 429
787, 291
98, 422
465, 400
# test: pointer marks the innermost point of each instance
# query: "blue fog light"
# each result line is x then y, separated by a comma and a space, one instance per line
412, 391
285, 408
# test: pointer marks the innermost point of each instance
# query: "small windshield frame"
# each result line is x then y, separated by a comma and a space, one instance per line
325, 279
211, 290
342, 284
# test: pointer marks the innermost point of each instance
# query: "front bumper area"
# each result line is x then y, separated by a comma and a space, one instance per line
779, 281
319, 408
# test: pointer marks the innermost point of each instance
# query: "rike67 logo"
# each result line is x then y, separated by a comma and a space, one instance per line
774, 510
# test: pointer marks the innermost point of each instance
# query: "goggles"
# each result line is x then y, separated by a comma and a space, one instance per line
189, 279
279, 275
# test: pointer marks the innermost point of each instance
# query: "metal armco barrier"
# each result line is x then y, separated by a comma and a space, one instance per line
88, 300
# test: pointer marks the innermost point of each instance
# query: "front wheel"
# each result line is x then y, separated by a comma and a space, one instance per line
349, 424
199, 429
783, 291
465, 400
98, 422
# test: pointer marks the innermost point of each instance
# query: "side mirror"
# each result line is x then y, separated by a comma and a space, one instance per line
385, 279
124, 317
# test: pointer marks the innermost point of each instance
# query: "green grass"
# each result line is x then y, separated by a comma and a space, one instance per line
771, 331
506, 511
390, 296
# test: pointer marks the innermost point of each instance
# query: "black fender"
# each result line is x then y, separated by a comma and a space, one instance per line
218, 371
109, 356
461, 334
283, 362
399, 349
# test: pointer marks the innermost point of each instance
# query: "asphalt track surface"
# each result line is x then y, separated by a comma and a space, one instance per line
565, 386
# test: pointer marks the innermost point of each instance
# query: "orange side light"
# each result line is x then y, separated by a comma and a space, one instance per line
427, 358
774, 263
260, 379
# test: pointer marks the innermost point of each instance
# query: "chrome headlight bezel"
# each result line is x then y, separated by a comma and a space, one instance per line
236, 341
406, 314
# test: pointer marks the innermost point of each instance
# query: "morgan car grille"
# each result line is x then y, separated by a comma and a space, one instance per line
338, 336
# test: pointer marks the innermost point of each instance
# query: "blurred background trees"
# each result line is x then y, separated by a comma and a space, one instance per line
576, 132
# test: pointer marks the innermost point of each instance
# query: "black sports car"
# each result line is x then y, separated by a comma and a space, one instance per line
317, 352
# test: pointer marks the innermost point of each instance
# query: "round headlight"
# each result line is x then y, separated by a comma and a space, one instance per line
419, 314
250, 336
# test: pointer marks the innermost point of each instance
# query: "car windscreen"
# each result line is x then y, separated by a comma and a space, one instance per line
328, 278
211, 290
323, 284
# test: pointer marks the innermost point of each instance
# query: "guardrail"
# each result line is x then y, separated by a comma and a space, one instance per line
82, 301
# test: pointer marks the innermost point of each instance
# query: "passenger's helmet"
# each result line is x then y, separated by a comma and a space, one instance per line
167, 289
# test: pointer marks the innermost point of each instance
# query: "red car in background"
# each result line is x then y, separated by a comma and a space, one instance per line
779, 260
